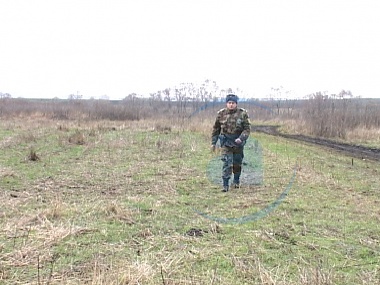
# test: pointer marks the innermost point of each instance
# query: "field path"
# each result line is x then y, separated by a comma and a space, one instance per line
358, 151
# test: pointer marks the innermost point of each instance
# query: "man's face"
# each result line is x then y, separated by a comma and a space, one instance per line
231, 105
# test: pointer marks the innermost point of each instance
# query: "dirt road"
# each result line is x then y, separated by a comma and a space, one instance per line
357, 151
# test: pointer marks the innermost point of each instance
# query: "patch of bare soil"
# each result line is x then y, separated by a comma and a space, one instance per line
357, 151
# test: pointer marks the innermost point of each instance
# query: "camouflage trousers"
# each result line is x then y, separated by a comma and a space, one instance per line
232, 158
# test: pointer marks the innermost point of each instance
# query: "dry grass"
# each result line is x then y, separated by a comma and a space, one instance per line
362, 135
118, 210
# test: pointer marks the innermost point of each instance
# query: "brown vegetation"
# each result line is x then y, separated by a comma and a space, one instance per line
318, 116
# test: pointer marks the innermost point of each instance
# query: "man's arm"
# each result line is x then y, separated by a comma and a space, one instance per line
215, 131
246, 127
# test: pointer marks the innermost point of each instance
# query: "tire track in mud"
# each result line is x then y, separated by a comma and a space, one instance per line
352, 150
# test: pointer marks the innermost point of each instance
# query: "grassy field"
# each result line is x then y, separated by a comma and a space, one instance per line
120, 203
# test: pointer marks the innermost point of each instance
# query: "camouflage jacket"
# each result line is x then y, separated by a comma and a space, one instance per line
231, 123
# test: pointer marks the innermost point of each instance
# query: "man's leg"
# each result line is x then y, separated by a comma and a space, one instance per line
227, 158
236, 167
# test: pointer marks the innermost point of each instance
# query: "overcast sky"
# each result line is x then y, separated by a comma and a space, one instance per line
53, 48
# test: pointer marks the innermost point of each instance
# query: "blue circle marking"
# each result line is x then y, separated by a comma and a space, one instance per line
257, 215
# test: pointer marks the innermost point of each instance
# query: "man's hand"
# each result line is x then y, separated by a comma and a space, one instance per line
213, 148
238, 141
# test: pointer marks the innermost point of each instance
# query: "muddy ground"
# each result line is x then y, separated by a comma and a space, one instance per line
357, 151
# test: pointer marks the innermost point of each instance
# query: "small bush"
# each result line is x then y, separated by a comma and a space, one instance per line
33, 155
77, 138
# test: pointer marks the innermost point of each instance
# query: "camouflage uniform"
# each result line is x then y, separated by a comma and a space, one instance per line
230, 125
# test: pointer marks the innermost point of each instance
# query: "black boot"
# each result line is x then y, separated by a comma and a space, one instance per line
236, 182
225, 185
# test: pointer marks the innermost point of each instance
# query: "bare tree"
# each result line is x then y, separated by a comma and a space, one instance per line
5, 95
75, 96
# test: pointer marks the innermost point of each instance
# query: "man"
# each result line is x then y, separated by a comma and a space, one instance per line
232, 128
